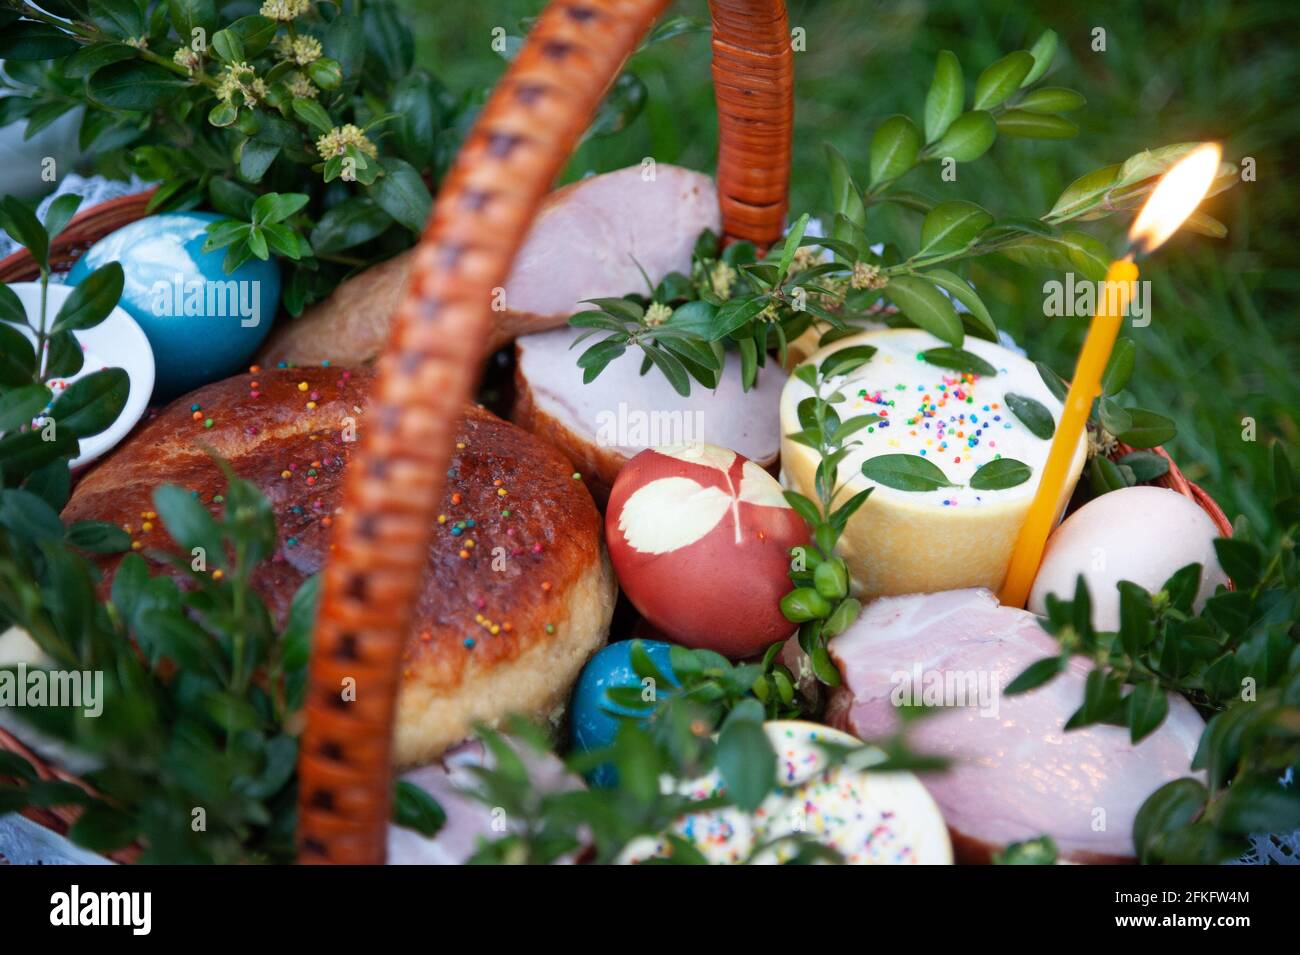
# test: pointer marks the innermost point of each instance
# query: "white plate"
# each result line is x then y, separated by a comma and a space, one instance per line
116, 342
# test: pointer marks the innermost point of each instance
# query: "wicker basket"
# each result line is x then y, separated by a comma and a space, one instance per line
432, 362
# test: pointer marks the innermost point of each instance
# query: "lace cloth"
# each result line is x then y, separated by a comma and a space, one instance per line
92, 189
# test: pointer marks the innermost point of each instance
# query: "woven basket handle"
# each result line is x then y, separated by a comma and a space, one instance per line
430, 365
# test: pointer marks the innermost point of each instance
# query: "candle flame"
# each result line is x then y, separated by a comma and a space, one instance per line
1175, 197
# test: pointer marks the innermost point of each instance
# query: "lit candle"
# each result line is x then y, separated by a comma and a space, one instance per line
1174, 198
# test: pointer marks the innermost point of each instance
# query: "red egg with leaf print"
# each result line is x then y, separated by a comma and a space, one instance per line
700, 538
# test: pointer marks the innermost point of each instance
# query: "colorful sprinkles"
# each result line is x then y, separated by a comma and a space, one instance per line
953, 418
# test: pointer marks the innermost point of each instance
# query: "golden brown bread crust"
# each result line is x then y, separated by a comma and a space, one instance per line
537, 560
352, 324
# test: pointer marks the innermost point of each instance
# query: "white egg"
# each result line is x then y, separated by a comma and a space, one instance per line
1142, 534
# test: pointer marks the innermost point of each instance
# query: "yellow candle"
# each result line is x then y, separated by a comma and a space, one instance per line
1174, 198
1053, 485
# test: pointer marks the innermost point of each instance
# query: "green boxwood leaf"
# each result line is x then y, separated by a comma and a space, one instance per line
1114, 417
978, 318
276, 206
413, 808
1145, 465
99, 537
1147, 708
1146, 429
1052, 99
91, 301
947, 93
228, 46
313, 114
1242, 561
1042, 51
255, 158
1119, 369
29, 516
1087, 254
959, 359
845, 198
1136, 626
926, 307
325, 73
746, 762
64, 356
951, 226
11, 307
223, 114
894, 149
905, 472
29, 40
187, 15
18, 219
846, 360
52, 484
1104, 476
1168, 809
1002, 78
120, 18
1152, 162
1023, 123
999, 474
17, 357
1084, 193
28, 451
255, 33
1040, 851
1032, 414
417, 101
91, 404
1260, 803
401, 193
348, 224
134, 85
1035, 675
19, 406
60, 213
92, 57
969, 137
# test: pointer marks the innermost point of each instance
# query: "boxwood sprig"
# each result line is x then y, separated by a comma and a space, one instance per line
735, 302
820, 601
1236, 659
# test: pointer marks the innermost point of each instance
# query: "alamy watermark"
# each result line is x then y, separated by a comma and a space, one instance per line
1080, 298
629, 427
920, 687
221, 298
35, 686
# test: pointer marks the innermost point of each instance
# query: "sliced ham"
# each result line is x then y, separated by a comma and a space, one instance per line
603, 424
587, 242
1017, 774
450, 781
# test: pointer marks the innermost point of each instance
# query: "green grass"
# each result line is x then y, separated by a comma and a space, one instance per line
1224, 340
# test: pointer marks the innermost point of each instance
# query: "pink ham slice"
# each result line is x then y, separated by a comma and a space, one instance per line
586, 242
1016, 775
470, 821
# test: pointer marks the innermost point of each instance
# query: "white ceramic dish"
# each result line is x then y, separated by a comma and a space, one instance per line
116, 342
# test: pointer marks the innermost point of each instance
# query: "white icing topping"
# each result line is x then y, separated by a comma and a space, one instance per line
958, 421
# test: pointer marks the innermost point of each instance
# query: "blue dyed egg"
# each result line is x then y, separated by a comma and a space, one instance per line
592, 720
202, 323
